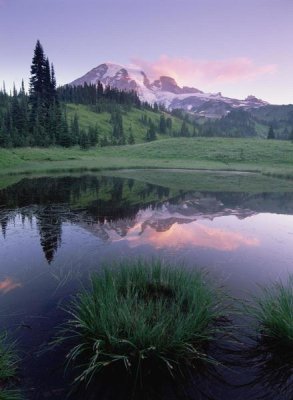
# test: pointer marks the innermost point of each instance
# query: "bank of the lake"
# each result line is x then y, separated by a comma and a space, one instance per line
272, 157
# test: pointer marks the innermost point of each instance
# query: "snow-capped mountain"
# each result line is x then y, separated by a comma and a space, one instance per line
165, 90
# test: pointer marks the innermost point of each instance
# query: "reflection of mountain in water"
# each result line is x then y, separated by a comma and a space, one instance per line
111, 207
86, 200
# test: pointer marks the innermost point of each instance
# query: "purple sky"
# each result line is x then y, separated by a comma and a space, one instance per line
238, 47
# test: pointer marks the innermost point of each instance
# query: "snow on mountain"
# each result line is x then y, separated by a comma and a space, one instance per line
165, 90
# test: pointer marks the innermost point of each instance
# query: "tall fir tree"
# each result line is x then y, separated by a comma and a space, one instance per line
75, 130
37, 74
162, 124
37, 95
184, 131
271, 133
151, 132
54, 93
46, 123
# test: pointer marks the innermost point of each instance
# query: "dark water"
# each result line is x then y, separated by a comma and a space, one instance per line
55, 231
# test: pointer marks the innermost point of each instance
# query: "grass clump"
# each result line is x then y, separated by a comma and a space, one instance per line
8, 367
139, 314
272, 350
274, 313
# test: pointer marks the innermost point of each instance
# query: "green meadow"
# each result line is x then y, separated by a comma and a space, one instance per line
266, 157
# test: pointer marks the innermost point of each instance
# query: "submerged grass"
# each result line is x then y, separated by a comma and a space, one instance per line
140, 314
8, 367
274, 313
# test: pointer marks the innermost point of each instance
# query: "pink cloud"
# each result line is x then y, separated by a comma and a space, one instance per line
193, 72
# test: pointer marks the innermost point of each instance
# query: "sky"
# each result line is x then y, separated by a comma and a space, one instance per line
237, 47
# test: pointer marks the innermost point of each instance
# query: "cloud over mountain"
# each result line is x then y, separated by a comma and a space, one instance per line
189, 71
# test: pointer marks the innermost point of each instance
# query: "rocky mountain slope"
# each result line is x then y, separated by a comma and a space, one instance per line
166, 91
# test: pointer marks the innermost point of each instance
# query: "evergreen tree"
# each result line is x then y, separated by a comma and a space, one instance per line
65, 138
37, 94
37, 75
93, 135
151, 133
104, 141
53, 83
46, 124
15, 119
162, 124
271, 133
24, 115
184, 131
118, 137
84, 140
130, 139
74, 128
100, 89
5, 138
169, 124
47, 85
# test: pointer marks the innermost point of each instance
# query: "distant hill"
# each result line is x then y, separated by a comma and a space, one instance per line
215, 114
135, 121
252, 123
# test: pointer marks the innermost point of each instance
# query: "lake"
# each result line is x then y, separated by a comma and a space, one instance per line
57, 230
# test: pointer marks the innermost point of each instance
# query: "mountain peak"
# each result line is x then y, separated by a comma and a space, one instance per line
167, 84
255, 100
165, 90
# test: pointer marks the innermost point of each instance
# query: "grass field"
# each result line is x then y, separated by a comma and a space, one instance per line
255, 155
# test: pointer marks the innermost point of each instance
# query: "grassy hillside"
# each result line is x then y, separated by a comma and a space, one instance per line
251, 123
131, 121
280, 117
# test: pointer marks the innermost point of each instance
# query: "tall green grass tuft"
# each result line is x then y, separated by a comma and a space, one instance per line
274, 313
140, 314
8, 368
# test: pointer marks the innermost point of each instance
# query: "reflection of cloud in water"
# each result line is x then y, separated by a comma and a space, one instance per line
162, 229
193, 234
7, 285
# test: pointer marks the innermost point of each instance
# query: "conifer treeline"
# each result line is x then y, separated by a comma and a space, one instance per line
35, 119
100, 97
39, 117
14, 118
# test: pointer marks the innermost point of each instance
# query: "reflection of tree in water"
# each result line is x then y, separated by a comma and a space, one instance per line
49, 222
149, 189
4, 222
53, 201
98, 200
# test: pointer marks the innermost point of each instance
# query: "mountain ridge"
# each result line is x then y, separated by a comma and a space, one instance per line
165, 90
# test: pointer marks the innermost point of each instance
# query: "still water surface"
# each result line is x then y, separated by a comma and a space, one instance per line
55, 231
